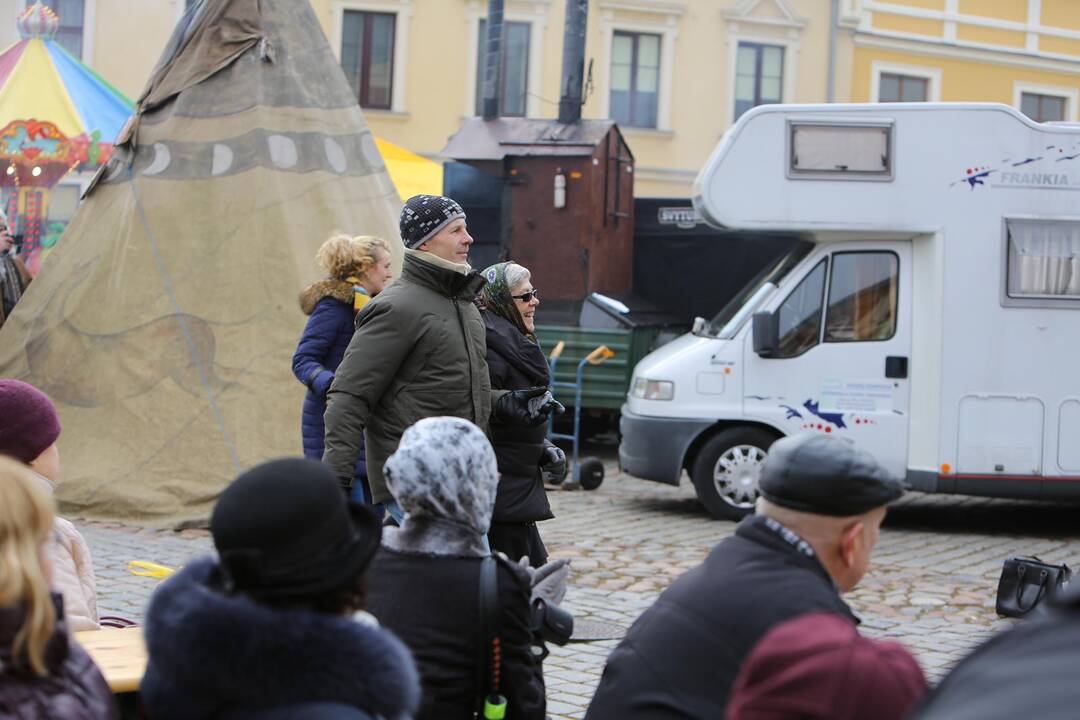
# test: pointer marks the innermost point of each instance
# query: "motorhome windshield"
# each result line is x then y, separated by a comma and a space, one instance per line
773, 274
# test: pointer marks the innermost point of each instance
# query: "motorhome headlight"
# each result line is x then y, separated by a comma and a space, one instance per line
653, 389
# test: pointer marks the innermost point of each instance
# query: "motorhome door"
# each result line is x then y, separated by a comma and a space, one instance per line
840, 357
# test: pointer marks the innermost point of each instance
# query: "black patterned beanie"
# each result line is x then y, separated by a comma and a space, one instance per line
425, 215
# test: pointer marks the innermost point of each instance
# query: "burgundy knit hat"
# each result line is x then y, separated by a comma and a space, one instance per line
28, 421
818, 666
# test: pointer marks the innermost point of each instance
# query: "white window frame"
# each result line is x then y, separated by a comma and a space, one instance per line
931, 74
1071, 95
666, 27
88, 30
1008, 300
403, 9
534, 81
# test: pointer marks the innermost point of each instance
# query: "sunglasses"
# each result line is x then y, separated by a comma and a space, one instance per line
527, 297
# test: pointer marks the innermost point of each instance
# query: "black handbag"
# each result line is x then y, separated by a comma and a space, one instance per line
1027, 581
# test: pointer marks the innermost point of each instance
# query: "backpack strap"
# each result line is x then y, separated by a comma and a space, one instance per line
490, 703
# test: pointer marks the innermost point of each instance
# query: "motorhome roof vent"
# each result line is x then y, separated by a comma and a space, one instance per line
822, 150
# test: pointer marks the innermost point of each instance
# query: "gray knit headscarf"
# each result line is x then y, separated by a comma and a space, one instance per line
444, 476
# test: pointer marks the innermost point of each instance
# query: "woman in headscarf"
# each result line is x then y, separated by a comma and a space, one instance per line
516, 362
444, 475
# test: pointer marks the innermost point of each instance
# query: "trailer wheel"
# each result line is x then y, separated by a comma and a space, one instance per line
591, 473
726, 471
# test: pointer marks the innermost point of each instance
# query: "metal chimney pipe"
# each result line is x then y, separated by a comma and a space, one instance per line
493, 61
573, 60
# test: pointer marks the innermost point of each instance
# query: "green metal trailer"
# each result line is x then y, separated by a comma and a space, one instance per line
605, 385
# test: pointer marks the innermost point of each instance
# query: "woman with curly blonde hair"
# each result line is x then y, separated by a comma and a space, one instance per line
43, 674
357, 269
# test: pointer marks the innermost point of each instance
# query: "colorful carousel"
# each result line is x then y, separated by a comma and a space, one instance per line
57, 116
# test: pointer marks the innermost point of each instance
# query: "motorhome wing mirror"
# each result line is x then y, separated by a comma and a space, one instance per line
766, 334
699, 326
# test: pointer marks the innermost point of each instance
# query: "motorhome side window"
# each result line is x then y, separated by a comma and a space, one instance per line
862, 297
800, 315
1043, 259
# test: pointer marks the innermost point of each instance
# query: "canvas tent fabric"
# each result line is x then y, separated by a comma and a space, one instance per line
164, 323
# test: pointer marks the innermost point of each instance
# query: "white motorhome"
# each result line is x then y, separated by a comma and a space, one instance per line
932, 314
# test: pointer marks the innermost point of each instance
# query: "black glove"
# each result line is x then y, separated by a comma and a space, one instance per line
553, 463
526, 407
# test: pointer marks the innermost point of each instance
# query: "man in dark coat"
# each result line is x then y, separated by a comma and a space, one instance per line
1028, 671
419, 351
822, 503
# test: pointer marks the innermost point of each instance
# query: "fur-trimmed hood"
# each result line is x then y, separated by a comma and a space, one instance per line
337, 289
210, 652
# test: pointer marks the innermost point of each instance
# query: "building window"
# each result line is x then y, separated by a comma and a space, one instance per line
894, 87
515, 59
635, 78
70, 33
367, 56
759, 76
1043, 108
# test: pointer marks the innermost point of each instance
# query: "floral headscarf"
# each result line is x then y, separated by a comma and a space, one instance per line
495, 297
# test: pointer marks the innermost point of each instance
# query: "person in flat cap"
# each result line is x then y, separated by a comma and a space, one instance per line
275, 626
419, 351
822, 502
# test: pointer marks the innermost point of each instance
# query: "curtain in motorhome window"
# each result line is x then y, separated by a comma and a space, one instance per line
1044, 259
862, 297
800, 314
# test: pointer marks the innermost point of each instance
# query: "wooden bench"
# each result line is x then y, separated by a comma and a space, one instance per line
120, 653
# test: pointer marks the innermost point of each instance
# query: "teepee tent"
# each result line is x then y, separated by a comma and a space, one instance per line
164, 323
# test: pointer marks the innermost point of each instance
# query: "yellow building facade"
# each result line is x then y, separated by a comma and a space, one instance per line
1024, 53
674, 73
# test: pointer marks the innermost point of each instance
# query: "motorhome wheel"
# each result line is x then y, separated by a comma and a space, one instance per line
591, 473
726, 471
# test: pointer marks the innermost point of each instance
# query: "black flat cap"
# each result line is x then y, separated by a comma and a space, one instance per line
826, 475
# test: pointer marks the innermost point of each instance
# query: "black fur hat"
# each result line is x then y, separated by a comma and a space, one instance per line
285, 529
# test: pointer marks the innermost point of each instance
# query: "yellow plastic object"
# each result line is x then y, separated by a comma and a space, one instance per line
599, 355
411, 173
143, 568
557, 352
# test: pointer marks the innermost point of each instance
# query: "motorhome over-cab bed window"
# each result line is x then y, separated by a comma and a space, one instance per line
1043, 262
819, 151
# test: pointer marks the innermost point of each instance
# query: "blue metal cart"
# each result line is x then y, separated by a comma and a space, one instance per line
587, 473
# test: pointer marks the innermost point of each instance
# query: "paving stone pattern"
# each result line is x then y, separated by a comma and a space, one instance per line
931, 585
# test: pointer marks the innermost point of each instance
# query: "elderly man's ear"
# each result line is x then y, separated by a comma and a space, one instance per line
851, 543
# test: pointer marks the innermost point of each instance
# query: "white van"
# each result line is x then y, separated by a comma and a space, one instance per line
932, 314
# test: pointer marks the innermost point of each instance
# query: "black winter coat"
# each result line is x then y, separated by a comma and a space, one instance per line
1027, 671
517, 363
432, 603
74, 688
222, 656
681, 657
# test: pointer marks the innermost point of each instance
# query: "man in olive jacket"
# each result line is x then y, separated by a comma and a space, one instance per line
419, 351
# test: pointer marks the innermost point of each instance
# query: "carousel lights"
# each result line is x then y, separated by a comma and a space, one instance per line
11, 169
36, 172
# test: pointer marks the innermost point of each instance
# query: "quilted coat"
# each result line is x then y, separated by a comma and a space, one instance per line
329, 305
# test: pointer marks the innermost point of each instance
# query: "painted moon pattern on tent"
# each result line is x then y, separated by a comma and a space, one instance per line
354, 155
162, 158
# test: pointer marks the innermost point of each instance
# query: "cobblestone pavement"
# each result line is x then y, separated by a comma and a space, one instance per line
931, 585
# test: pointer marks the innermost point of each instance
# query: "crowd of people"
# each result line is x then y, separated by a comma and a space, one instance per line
396, 571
